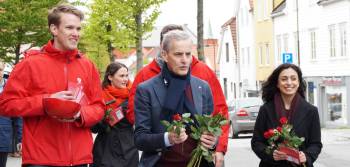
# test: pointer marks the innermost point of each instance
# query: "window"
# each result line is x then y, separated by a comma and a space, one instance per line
260, 55
225, 87
234, 90
343, 37
313, 44
265, 8
267, 55
285, 43
260, 10
227, 52
279, 48
242, 56
331, 30
248, 55
311, 86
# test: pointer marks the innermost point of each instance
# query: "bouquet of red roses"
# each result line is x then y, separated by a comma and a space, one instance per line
178, 123
285, 140
207, 123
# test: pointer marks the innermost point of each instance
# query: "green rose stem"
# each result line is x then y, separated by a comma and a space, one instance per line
206, 124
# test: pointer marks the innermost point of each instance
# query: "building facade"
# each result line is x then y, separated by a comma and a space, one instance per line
246, 74
325, 61
263, 27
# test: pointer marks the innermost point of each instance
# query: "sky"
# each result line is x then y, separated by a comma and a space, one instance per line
185, 12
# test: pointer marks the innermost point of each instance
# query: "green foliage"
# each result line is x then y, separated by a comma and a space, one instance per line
114, 23
23, 22
177, 123
96, 52
282, 136
207, 124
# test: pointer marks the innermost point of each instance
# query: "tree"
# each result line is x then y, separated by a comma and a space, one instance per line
200, 49
122, 23
23, 22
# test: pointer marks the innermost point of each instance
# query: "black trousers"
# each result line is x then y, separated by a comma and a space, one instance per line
3, 159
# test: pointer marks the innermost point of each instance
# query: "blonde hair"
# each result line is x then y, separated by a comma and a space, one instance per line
54, 16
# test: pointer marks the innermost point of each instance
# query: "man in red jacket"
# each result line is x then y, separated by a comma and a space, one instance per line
200, 70
50, 73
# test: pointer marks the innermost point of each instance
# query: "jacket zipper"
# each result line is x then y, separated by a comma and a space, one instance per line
68, 123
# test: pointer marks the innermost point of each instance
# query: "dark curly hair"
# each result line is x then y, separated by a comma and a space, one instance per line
269, 87
111, 70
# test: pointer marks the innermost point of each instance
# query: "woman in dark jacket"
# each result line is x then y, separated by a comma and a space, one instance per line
114, 145
284, 96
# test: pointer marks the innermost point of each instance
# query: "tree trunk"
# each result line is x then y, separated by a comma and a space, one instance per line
138, 41
109, 44
17, 50
200, 30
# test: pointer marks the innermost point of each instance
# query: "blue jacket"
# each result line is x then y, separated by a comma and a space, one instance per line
149, 133
6, 133
6, 130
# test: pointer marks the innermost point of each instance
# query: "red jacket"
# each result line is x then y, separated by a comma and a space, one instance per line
47, 141
201, 71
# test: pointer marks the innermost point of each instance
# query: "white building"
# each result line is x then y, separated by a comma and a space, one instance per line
285, 32
246, 74
324, 48
227, 59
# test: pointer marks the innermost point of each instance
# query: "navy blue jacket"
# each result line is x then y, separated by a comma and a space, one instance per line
6, 131
149, 133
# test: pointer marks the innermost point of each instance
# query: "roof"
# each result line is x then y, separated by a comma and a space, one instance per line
325, 2
279, 9
233, 27
251, 4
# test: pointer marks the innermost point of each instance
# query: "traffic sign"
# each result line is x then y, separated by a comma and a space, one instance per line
287, 58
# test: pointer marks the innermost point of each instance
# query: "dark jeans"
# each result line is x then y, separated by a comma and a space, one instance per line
3, 159
86, 165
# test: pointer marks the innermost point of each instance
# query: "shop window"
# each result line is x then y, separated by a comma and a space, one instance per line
334, 106
311, 96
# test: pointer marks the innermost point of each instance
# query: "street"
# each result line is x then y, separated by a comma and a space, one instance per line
335, 152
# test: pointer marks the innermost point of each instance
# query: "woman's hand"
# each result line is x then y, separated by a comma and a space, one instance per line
278, 155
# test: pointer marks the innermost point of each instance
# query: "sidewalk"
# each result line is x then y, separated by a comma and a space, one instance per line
335, 136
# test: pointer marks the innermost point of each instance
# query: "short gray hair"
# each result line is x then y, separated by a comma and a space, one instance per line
176, 35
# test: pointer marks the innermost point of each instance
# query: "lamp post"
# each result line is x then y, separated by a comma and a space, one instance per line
298, 42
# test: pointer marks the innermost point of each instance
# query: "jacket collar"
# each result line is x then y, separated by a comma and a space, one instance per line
160, 91
52, 51
300, 113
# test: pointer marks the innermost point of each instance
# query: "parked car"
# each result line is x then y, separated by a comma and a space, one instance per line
242, 114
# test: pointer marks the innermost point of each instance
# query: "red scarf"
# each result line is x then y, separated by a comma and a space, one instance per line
118, 94
280, 109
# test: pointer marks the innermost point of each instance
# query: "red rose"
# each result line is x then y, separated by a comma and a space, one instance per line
283, 120
279, 129
177, 117
268, 134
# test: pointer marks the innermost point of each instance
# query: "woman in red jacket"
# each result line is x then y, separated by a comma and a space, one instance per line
114, 145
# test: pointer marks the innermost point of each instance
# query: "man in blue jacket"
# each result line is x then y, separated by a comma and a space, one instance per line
9, 128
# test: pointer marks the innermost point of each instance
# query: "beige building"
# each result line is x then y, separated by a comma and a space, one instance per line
263, 27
